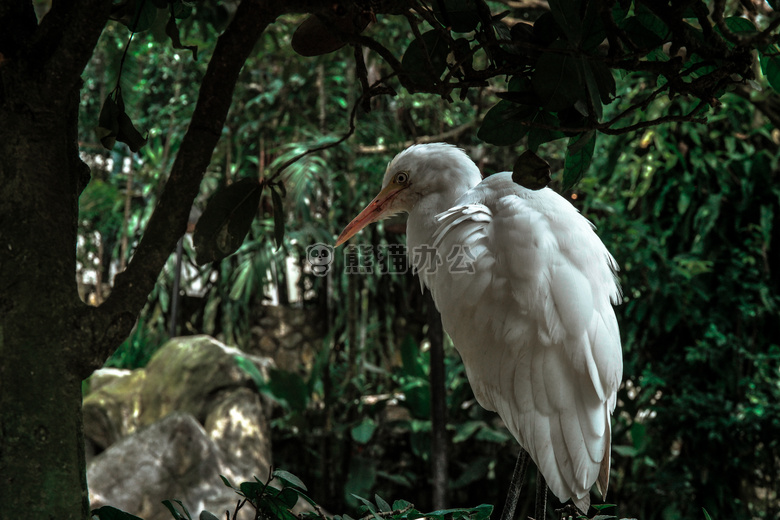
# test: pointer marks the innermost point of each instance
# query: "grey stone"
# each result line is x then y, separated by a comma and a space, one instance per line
171, 459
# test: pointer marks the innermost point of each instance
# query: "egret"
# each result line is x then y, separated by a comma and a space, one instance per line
526, 290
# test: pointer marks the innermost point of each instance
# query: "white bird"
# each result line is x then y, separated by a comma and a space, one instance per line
525, 289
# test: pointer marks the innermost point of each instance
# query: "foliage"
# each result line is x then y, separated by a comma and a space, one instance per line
276, 503
558, 71
690, 212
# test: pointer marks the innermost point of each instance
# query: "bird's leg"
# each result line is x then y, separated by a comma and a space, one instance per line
541, 497
518, 478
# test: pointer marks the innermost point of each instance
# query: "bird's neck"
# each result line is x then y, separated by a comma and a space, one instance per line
422, 218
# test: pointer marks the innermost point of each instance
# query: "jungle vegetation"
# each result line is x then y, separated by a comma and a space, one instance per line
667, 140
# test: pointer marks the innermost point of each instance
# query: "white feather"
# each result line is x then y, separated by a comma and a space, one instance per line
533, 320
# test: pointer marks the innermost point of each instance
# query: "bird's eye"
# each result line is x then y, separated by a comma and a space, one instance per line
401, 178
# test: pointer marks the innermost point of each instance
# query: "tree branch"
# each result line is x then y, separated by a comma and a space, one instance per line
113, 320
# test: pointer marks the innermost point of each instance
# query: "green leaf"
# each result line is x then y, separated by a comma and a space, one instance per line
567, 16
639, 435
371, 507
288, 497
502, 125
459, 15
115, 125
108, 122
175, 512
593, 28
221, 229
620, 11
398, 505
181, 8
184, 508
253, 372
205, 515
304, 496
600, 84
252, 490
546, 30
418, 399
173, 33
491, 435
127, 132
223, 477
538, 136
361, 477
276, 507
137, 15
363, 432
770, 67
112, 513
278, 217
520, 91
426, 58
410, 359
558, 80
578, 156
477, 469
289, 479
395, 478
465, 430
288, 388
482, 512
644, 36
739, 25
625, 451
651, 22
706, 514
531, 171
382, 505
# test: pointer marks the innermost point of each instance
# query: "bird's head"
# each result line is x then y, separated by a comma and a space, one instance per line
417, 172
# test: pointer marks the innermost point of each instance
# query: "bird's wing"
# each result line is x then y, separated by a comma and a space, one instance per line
525, 290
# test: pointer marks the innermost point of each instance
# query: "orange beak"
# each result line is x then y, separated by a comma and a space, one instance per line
376, 210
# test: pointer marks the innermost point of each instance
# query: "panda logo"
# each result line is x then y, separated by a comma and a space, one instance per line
320, 257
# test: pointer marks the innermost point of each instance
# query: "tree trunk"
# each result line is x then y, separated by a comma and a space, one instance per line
50, 340
42, 456
41, 436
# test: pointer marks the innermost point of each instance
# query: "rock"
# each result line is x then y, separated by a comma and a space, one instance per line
268, 322
112, 407
172, 459
308, 355
268, 345
287, 334
187, 372
238, 425
171, 429
104, 376
293, 341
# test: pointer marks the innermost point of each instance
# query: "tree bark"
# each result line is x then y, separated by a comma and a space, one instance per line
49, 339
42, 461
